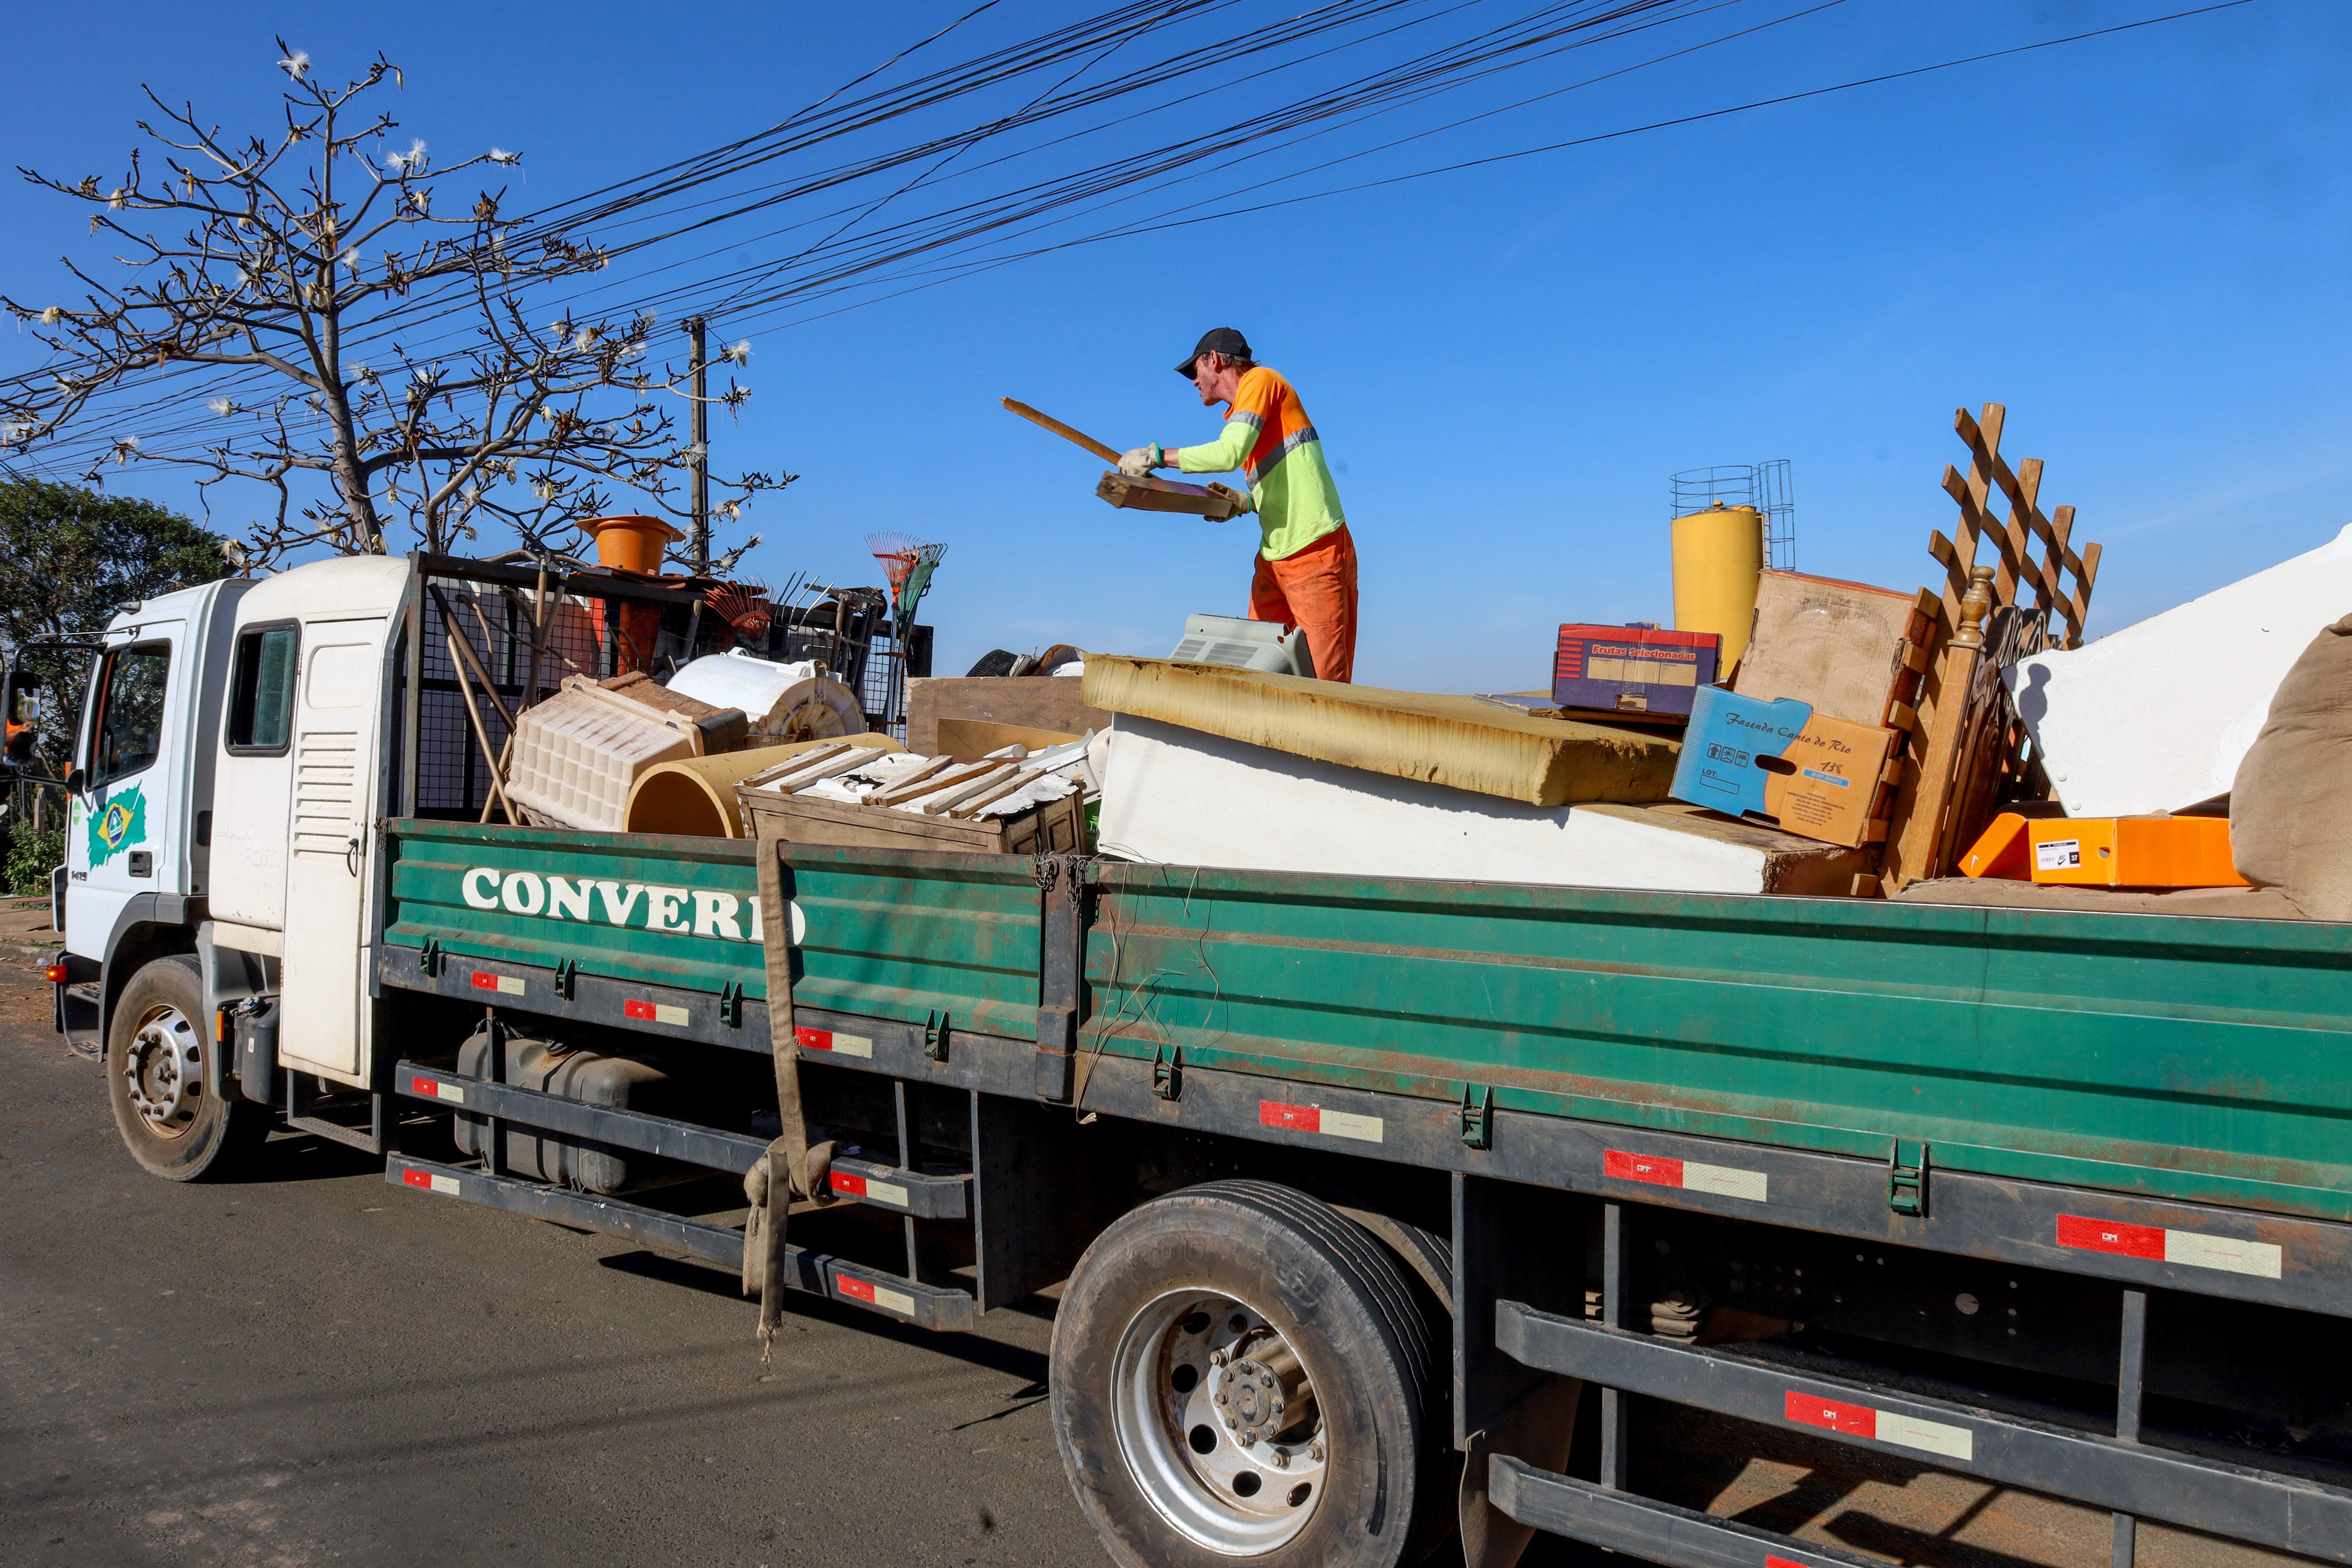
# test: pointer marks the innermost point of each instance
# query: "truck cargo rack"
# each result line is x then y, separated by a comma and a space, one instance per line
835, 1278
2097, 1467
917, 1194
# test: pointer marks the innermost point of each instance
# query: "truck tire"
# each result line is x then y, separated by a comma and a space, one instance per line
1240, 1373
173, 1125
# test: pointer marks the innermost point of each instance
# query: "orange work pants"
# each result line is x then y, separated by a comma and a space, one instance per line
1316, 589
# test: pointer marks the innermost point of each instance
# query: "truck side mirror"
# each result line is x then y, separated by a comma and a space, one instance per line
76, 781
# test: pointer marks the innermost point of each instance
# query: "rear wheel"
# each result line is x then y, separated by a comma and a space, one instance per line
155, 1068
1242, 1373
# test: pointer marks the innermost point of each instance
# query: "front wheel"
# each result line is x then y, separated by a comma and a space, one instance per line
1240, 1373
173, 1125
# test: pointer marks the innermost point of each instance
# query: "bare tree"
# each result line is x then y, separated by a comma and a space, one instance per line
305, 251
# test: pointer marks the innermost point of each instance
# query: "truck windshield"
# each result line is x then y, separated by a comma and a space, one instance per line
130, 713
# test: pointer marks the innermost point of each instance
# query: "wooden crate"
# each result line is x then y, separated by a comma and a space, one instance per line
1057, 827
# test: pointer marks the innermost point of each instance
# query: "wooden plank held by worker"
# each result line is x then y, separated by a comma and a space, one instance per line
1213, 501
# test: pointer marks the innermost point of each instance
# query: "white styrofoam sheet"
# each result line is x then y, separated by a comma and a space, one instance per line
2158, 715
1178, 796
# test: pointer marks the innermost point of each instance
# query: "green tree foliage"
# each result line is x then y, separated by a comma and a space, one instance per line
69, 559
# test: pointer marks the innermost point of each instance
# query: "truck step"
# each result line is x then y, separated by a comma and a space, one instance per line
2287, 1513
300, 1102
908, 1301
924, 1195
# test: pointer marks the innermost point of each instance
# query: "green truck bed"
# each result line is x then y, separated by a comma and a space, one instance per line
2187, 1059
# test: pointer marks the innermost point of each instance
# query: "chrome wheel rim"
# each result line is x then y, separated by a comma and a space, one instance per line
1218, 1422
164, 1069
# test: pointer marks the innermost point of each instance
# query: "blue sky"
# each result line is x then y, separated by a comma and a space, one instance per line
2137, 243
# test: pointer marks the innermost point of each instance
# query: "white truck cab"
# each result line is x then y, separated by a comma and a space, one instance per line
224, 793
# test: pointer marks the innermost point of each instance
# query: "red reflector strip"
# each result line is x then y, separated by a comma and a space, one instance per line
1772, 1562
429, 1181
485, 981
1315, 1119
434, 1089
2111, 1235
1882, 1426
1860, 1420
1690, 1175
877, 1295
2189, 1247
656, 1012
831, 1040
843, 1182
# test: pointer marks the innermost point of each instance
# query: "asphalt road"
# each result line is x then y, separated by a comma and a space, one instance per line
315, 1367
318, 1368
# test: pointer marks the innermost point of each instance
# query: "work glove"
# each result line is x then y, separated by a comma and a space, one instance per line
1239, 500
1140, 461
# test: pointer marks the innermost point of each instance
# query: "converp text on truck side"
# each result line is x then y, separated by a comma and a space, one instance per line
1356, 1185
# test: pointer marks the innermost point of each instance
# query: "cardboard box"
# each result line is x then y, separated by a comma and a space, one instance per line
1633, 669
1784, 764
2132, 852
1850, 650
2001, 851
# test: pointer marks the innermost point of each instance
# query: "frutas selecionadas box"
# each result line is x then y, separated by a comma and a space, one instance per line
1782, 763
1633, 669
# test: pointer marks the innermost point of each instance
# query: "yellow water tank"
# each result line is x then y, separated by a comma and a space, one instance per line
1718, 556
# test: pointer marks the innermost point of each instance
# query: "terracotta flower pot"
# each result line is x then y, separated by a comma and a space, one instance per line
632, 543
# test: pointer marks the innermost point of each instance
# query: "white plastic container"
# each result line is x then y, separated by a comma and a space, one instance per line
578, 754
784, 701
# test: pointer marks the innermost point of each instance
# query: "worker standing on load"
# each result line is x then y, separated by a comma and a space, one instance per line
1306, 574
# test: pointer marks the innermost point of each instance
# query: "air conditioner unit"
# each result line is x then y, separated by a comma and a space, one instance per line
1245, 645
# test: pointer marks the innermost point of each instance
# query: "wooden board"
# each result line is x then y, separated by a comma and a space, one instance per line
969, 738
1058, 827
1148, 494
1054, 702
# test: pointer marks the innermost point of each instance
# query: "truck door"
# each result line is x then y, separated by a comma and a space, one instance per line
323, 975
119, 842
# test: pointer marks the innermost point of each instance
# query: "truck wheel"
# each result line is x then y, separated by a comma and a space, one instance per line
1240, 1372
155, 1076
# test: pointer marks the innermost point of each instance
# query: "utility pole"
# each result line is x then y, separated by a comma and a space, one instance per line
701, 542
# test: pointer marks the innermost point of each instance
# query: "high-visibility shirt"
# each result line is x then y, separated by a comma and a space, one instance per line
1267, 437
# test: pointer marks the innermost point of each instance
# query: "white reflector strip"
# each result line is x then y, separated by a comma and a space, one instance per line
2258, 1258
1935, 1437
678, 1016
438, 1090
428, 1182
1724, 1180
887, 1192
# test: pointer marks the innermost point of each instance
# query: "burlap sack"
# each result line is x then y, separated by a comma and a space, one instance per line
2290, 803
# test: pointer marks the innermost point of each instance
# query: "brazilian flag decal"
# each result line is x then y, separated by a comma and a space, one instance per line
119, 822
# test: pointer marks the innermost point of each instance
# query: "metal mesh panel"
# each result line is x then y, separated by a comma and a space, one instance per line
593, 635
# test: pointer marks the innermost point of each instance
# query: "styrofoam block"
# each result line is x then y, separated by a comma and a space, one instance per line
1180, 796
2158, 715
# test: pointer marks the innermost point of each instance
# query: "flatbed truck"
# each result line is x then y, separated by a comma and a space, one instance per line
1370, 1202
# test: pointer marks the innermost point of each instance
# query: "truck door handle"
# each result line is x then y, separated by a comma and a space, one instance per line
351, 856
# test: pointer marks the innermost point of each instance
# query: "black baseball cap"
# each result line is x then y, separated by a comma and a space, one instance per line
1225, 340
